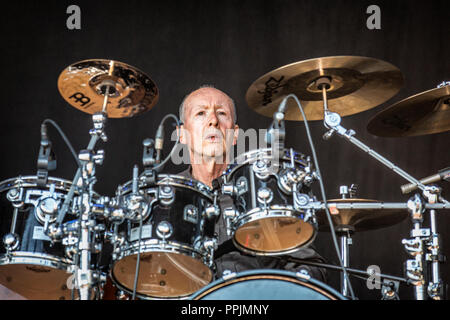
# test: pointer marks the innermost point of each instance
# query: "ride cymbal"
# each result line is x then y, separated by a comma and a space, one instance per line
424, 113
356, 84
359, 219
83, 85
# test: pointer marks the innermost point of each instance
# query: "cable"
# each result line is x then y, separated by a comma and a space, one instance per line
66, 140
322, 189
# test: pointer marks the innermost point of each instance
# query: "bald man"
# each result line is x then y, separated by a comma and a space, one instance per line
209, 130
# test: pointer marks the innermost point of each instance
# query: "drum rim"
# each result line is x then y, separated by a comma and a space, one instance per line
295, 277
21, 257
167, 179
152, 244
251, 156
30, 181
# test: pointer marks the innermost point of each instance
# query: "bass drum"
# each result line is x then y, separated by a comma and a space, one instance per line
267, 285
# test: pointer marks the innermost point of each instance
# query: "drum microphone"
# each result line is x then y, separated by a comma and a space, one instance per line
46, 159
277, 124
443, 174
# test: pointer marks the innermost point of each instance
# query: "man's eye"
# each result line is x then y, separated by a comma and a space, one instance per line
201, 113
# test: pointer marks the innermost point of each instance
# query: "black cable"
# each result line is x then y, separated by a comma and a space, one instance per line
64, 137
322, 189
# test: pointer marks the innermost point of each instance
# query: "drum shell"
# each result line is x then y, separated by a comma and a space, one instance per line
184, 242
36, 267
251, 208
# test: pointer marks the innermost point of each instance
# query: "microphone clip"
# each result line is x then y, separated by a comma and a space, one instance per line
46, 160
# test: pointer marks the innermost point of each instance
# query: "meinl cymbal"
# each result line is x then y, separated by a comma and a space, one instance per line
359, 219
83, 86
424, 113
357, 84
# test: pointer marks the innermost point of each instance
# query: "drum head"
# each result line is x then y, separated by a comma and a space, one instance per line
162, 274
273, 235
36, 282
267, 285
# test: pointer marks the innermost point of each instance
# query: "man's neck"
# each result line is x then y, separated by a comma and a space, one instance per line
207, 171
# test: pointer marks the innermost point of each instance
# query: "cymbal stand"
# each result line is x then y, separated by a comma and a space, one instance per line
332, 121
435, 287
84, 180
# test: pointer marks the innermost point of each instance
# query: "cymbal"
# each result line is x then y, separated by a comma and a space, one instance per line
83, 85
357, 84
424, 113
359, 219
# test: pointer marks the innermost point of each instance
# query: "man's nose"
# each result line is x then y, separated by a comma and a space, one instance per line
213, 121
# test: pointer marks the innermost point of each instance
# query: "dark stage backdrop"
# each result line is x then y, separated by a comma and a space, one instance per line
184, 44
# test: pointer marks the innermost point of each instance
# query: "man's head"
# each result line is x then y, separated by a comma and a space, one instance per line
208, 116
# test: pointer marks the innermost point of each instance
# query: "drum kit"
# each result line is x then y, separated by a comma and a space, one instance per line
156, 233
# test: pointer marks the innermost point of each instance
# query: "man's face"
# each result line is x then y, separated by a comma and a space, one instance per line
209, 129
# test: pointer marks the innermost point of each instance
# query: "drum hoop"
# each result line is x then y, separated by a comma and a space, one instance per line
31, 182
265, 275
252, 156
167, 179
155, 246
21, 257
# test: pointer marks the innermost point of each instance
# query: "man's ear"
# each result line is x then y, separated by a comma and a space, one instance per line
236, 134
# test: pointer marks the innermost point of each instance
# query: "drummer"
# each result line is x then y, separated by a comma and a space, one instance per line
209, 129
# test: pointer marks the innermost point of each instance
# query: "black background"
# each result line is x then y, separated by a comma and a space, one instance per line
184, 44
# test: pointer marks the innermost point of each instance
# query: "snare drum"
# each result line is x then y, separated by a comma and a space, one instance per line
263, 187
177, 243
267, 285
30, 264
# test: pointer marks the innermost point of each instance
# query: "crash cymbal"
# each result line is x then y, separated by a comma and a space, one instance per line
357, 84
83, 86
424, 113
359, 219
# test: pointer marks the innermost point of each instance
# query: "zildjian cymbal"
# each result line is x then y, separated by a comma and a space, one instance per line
356, 84
358, 219
424, 113
131, 92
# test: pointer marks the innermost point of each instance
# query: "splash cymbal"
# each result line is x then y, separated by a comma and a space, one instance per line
357, 84
359, 219
424, 113
131, 92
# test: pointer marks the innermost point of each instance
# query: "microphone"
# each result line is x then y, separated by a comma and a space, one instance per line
148, 158
277, 124
46, 159
443, 174
159, 142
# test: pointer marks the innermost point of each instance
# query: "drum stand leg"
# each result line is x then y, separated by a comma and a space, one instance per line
345, 241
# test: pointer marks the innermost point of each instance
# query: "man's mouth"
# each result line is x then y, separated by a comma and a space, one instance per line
213, 137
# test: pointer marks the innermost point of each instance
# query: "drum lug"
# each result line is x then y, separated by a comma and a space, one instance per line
11, 242
16, 197
229, 214
166, 195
